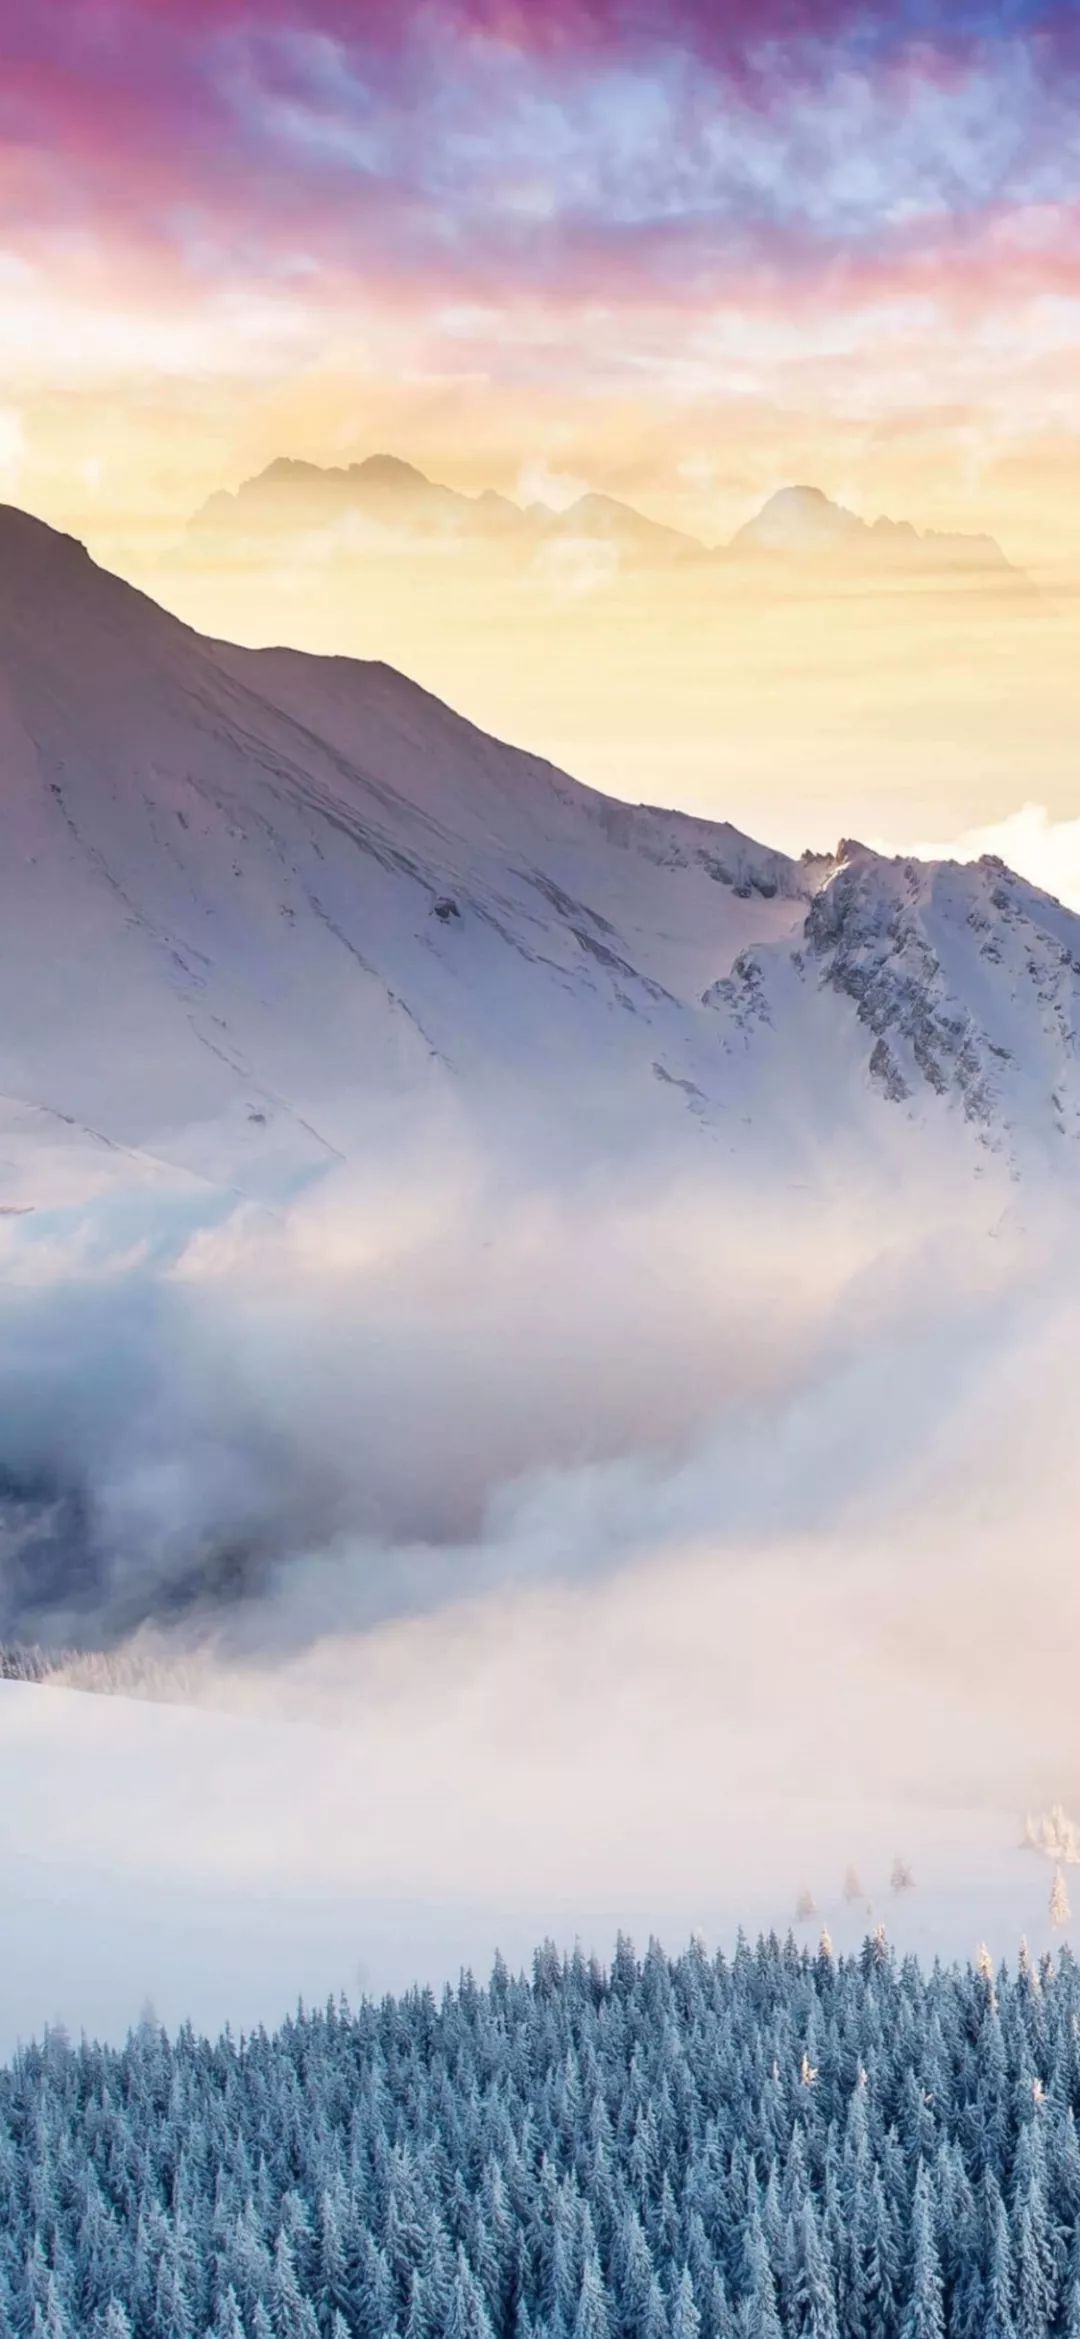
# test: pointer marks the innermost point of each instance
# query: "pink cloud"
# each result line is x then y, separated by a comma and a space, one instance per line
198, 135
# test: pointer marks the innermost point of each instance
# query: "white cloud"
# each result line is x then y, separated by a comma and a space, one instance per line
1044, 850
538, 484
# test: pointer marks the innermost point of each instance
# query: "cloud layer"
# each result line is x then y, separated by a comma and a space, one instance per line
590, 147
582, 1479
457, 1373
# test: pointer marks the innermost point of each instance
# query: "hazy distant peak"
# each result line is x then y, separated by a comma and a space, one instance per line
980, 544
803, 521
391, 471
605, 515
593, 503
377, 470
290, 471
799, 519
886, 527
290, 487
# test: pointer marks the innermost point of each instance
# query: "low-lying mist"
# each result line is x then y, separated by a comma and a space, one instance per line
516, 1472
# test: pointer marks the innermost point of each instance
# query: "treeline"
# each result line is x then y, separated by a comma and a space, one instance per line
126, 1672
775, 2146
19, 1663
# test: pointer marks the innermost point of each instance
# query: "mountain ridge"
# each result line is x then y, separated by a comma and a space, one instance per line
798, 521
253, 897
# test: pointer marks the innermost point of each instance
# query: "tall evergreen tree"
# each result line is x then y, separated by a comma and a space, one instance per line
998, 2320
468, 2316
924, 2314
814, 2313
685, 2318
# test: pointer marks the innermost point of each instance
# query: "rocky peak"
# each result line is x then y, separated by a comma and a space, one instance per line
965, 977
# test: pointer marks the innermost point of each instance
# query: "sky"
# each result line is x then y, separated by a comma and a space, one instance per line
681, 252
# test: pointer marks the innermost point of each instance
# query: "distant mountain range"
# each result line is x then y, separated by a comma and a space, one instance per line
384, 496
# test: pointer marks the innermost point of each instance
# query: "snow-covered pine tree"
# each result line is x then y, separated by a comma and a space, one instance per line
924, 2313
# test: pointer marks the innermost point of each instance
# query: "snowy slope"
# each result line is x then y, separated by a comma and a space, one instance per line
248, 897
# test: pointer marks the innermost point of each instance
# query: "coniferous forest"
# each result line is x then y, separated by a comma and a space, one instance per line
778, 2145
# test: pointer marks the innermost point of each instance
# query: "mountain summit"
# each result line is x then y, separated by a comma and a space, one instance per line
251, 898
804, 523
798, 519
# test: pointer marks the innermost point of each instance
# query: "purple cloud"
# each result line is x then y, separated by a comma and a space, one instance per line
692, 149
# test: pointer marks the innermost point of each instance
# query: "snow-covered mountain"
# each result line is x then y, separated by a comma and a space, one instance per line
250, 898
